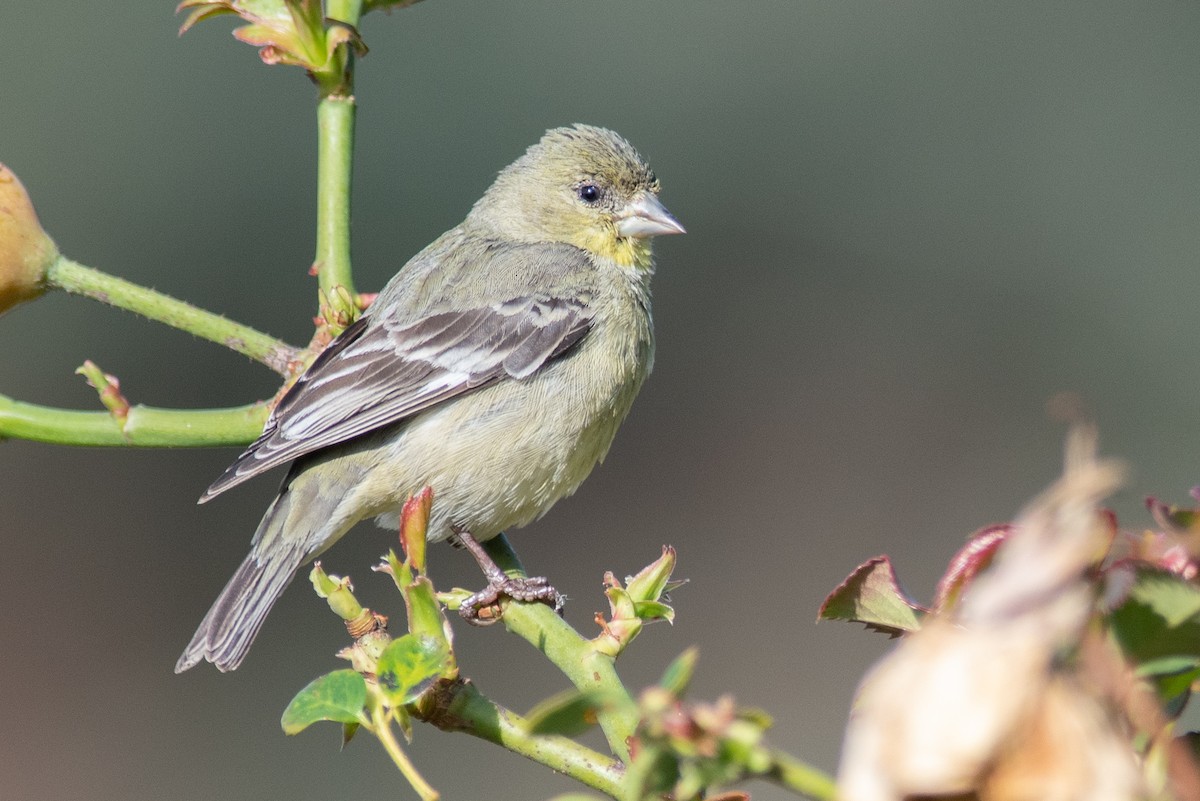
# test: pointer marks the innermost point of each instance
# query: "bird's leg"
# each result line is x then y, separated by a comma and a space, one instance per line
483, 608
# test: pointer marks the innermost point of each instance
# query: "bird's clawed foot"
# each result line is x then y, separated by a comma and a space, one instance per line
483, 608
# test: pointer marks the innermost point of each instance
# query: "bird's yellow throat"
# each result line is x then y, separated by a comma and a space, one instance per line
626, 251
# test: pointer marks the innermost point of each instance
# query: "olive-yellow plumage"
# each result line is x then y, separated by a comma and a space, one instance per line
494, 367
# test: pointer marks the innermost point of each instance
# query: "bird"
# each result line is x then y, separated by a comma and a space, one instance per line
495, 367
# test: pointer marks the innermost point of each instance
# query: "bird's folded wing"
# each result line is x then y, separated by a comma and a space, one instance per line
378, 372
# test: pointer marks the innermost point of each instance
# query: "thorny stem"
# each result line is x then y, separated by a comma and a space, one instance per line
459, 706
570, 653
168, 427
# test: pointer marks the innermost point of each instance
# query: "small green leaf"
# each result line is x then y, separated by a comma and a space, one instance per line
1167, 666
651, 581
871, 595
424, 613
620, 603
404, 721
1144, 635
1174, 598
453, 599
653, 610
1175, 691
400, 572
760, 718
409, 666
348, 732
388, 5
337, 696
678, 674
1172, 677
568, 713
654, 771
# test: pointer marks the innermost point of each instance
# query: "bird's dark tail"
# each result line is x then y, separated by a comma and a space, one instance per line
229, 628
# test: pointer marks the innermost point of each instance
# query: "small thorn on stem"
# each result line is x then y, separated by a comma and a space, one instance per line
108, 388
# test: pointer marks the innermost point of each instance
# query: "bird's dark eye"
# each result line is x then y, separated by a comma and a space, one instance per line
589, 193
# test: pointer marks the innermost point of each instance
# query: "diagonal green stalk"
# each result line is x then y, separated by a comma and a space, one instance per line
800, 777
77, 279
144, 426
459, 706
381, 727
569, 652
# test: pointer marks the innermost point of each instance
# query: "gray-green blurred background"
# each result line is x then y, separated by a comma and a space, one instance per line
910, 224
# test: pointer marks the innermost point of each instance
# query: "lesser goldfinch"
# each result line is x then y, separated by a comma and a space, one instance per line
495, 367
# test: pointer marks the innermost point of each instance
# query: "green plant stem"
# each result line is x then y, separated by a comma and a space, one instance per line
459, 706
77, 279
335, 170
801, 777
571, 653
381, 727
335, 159
347, 11
145, 426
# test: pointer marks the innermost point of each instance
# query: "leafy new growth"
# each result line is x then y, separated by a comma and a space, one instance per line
636, 604
421, 602
872, 596
415, 677
685, 750
410, 666
1014, 681
338, 592
678, 675
337, 696
971, 560
292, 32
414, 522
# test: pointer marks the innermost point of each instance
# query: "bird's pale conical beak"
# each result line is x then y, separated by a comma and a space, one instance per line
646, 216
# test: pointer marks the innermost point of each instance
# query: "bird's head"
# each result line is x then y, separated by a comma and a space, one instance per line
583, 186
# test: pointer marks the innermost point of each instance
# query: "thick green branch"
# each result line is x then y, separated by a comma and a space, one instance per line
458, 706
144, 425
79, 280
347, 11
570, 653
335, 158
335, 168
